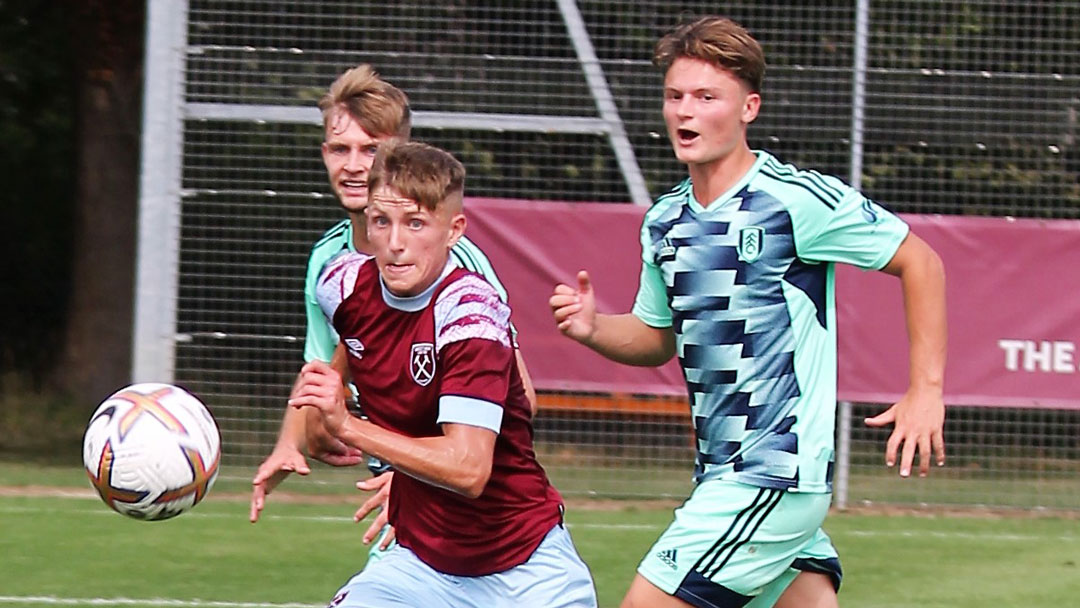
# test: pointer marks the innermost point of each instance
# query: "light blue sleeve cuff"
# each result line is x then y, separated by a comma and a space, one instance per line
473, 412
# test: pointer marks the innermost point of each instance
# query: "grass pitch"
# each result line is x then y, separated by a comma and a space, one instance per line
59, 545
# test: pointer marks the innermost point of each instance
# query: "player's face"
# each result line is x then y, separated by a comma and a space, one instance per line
348, 153
706, 110
411, 242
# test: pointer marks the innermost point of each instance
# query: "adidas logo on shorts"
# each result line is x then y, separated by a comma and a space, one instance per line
668, 557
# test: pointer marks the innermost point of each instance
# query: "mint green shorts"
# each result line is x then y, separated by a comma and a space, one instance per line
735, 545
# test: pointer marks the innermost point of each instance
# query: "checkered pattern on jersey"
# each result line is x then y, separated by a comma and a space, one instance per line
733, 330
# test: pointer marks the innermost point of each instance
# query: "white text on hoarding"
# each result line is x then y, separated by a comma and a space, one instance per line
1056, 357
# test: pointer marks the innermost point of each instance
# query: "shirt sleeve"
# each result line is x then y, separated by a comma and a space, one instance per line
320, 339
857, 231
467, 255
651, 302
475, 382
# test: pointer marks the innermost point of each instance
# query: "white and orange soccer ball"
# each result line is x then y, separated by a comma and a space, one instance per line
152, 451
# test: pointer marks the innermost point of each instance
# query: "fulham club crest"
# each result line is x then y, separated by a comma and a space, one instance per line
750, 243
422, 363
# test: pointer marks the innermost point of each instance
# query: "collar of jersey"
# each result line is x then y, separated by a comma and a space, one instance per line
721, 200
420, 300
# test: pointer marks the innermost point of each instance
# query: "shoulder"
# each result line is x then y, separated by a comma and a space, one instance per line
338, 279
466, 307
332, 242
674, 198
794, 186
468, 255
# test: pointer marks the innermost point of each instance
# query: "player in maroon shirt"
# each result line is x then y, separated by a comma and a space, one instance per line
428, 347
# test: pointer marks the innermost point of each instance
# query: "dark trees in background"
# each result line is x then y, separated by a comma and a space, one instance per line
70, 134
108, 38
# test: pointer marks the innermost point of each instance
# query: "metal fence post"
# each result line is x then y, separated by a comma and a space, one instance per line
157, 264
843, 456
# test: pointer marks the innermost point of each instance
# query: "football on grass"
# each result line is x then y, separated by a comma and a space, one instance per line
152, 451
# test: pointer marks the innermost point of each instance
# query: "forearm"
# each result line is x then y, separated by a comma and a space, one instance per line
627, 339
293, 425
923, 285
922, 279
459, 466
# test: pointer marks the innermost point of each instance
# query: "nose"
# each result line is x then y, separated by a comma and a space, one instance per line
684, 108
396, 241
355, 162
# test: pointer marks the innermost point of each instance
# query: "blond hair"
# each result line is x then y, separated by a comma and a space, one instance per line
416, 171
377, 106
716, 40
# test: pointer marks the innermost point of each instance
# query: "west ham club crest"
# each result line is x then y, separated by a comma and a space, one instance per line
422, 363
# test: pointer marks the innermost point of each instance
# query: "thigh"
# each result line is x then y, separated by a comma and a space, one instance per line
809, 590
554, 576
398, 580
643, 594
811, 582
729, 541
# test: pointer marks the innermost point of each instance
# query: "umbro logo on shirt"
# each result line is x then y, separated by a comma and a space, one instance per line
668, 557
355, 346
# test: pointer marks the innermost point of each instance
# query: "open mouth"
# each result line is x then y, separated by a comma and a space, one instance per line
354, 183
686, 136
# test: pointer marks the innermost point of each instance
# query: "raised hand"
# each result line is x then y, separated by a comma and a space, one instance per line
574, 309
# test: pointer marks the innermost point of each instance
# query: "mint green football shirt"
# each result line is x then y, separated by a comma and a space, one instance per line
747, 286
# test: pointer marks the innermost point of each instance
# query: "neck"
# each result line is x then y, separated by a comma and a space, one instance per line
359, 232
716, 177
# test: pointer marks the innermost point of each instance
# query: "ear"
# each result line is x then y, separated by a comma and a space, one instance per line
751, 107
458, 223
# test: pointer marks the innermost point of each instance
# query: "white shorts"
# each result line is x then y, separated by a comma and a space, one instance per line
553, 577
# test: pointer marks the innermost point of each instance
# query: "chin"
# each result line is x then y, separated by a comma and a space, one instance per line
352, 206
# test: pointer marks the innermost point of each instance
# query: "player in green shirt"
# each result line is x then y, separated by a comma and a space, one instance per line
737, 281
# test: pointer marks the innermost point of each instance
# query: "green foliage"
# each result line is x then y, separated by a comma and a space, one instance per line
38, 424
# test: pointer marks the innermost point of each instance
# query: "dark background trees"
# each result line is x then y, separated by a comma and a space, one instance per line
69, 145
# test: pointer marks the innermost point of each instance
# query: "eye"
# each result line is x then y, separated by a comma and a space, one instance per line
380, 221
416, 223
339, 149
371, 150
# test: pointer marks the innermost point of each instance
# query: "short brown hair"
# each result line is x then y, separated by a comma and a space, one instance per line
719, 41
416, 171
376, 105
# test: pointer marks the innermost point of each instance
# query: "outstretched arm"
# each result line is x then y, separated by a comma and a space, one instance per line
459, 460
285, 458
919, 416
623, 338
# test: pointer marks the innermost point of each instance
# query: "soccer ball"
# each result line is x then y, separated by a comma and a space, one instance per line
152, 451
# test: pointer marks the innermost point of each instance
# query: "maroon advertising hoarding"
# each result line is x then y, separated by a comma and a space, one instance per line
1013, 285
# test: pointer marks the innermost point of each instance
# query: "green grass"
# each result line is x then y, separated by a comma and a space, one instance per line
303, 550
